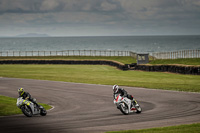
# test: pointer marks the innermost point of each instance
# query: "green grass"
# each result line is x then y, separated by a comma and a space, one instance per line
191, 61
192, 128
122, 59
98, 74
8, 106
101, 74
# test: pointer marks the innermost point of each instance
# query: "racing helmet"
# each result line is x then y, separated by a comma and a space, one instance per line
21, 91
115, 88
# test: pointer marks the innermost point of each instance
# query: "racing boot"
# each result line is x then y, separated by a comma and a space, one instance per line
37, 105
133, 103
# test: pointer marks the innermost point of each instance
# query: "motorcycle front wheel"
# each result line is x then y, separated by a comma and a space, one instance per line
26, 110
124, 108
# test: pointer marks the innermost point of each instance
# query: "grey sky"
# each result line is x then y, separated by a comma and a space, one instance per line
99, 17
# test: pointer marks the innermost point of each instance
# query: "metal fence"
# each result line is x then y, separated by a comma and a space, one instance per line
66, 53
177, 54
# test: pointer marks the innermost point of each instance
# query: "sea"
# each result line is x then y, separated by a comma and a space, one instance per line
138, 44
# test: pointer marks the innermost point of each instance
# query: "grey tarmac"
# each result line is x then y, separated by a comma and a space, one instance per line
89, 108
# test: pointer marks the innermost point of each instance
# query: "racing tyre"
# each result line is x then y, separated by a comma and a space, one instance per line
124, 108
43, 112
138, 109
27, 111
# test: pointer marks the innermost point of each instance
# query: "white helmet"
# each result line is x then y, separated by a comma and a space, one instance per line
115, 88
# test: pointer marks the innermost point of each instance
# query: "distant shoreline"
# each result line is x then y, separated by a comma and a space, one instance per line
48, 36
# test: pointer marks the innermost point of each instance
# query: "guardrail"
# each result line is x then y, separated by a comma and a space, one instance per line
177, 54
68, 53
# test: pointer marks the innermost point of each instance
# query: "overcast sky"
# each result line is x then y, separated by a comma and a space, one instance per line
100, 17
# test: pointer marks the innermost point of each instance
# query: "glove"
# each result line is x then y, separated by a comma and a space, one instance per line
26, 98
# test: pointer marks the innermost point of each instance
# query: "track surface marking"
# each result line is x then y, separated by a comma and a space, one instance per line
89, 108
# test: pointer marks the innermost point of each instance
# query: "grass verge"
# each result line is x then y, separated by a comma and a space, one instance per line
101, 74
122, 59
190, 61
192, 128
8, 106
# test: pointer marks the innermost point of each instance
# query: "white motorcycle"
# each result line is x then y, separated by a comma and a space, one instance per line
125, 106
29, 108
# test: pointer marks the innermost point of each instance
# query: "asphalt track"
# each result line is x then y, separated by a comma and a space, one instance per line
87, 108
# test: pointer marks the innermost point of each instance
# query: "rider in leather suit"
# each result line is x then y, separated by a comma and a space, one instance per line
26, 96
122, 92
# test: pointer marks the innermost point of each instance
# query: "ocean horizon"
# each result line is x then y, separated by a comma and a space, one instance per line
150, 44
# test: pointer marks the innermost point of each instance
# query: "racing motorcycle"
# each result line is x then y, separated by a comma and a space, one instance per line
29, 108
125, 105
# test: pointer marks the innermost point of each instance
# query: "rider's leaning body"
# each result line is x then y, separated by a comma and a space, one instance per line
26, 96
123, 93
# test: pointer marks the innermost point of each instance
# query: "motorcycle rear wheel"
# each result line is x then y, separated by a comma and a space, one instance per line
43, 112
138, 109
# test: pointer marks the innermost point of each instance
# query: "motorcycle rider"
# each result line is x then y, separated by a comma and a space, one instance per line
124, 93
27, 96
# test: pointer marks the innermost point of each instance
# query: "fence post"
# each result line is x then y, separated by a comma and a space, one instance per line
185, 54
175, 55
198, 53
168, 55
189, 51
193, 53
181, 54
